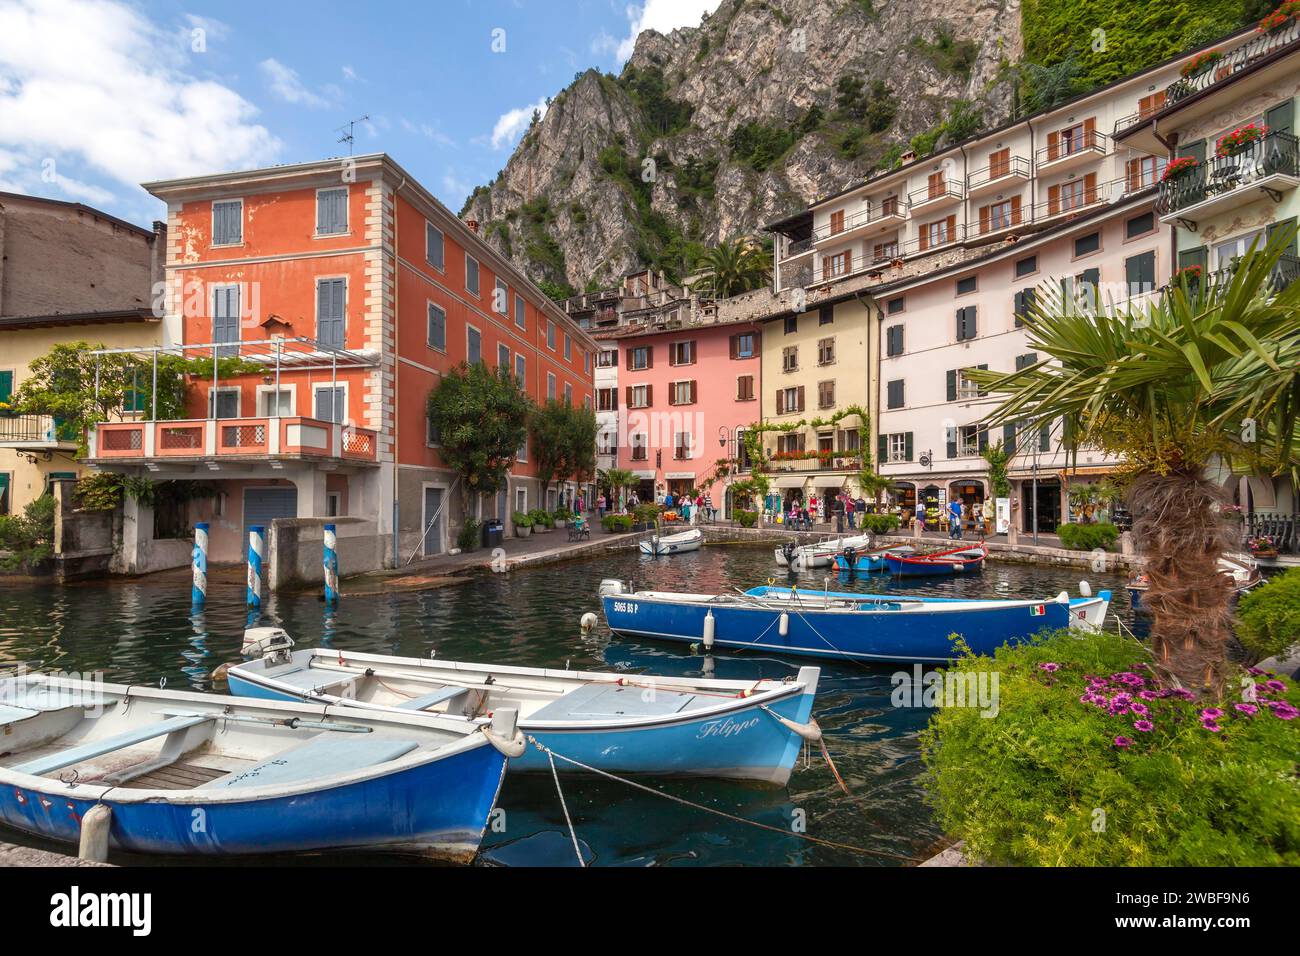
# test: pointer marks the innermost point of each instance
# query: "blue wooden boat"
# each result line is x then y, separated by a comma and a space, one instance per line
204, 774
955, 561
851, 559
620, 723
841, 624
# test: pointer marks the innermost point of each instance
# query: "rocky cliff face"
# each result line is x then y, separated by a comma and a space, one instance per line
711, 131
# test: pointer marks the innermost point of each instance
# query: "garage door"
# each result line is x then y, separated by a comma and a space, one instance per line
264, 505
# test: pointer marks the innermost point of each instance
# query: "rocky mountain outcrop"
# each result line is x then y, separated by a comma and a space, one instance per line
711, 131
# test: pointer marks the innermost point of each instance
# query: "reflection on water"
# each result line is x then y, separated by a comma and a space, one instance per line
145, 631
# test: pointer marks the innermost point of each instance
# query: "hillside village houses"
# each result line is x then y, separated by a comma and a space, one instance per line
355, 290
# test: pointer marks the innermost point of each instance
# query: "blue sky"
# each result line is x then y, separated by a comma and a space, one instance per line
97, 96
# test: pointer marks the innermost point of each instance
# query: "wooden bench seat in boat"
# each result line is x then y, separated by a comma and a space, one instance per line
307, 678
106, 745
325, 755
446, 694
594, 701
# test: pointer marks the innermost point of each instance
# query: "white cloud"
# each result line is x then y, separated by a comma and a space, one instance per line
455, 189
427, 131
349, 73
511, 125
97, 87
286, 85
663, 16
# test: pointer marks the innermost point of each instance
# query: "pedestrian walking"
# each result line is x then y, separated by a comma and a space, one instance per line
954, 519
600, 506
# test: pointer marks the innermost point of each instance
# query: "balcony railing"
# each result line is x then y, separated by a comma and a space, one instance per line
839, 461
35, 431
1274, 154
934, 195
297, 437
1242, 58
1017, 166
1089, 144
876, 212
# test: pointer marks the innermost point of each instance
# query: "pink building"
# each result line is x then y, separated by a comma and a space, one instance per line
685, 393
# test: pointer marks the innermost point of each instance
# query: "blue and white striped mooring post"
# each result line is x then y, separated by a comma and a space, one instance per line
256, 547
199, 590
331, 563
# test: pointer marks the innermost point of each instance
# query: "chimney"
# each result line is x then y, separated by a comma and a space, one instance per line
473, 225
157, 257
908, 156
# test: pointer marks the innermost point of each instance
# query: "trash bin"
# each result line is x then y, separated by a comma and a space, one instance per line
494, 533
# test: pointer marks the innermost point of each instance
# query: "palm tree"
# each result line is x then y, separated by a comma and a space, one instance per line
731, 267
1206, 374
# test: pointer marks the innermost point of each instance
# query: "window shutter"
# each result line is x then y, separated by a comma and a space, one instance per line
907, 446
629, 360
1053, 200
1195, 149
984, 440
649, 356
733, 346
925, 238
800, 399
1015, 210
1090, 188
984, 219
1133, 275
951, 436
1089, 131
694, 393
961, 324
780, 401
1009, 438
882, 449
1281, 117
628, 397
951, 228
1053, 145
952, 385
1045, 438
1193, 257
6, 385
1284, 224
649, 396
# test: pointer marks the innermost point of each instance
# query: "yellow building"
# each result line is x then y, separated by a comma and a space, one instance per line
817, 365
68, 273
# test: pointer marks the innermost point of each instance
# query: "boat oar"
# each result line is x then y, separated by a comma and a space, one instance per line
291, 723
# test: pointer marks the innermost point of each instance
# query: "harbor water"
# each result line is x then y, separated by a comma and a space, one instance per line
144, 631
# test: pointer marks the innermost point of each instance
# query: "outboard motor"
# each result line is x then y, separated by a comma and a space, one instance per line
851, 559
270, 643
788, 549
611, 586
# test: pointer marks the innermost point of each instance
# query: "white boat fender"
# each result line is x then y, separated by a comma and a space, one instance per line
783, 624
709, 625
810, 731
1085, 589
1063, 597
503, 733
587, 621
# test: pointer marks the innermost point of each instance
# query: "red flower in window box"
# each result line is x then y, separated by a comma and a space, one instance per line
1201, 62
1176, 167
1277, 19
1190, 273
1234, 142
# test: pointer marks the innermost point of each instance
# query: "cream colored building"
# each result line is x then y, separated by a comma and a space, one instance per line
68, 273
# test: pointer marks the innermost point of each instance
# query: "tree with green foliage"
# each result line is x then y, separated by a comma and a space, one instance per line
1206, 374
481, 416
563, 442
733, 266
1268, 618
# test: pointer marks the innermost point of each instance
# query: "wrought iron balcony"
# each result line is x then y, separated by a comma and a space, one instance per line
1244, 57
1271, 163
36, 433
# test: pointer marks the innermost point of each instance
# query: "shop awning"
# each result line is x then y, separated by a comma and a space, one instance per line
1088, 471
789, 481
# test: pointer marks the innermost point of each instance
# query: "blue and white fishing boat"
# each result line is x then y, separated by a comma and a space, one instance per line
619, 723
657, 545
204, 774
853, 559
841, 624
954, 561
819, 554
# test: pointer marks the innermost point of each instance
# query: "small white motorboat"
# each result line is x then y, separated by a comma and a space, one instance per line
679, 543
1241, 569
820, 554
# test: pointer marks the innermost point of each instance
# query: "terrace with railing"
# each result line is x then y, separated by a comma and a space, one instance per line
36, 433
1270, 163
1255, 51
881, 213
233, 438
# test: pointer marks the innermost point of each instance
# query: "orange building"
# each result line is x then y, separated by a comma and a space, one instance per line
345, 290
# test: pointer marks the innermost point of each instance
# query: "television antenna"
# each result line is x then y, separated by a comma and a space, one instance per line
347, 129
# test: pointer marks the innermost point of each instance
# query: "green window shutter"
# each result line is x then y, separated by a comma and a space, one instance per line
1045, 438
1195, 150
4, 493
882, 449
1281, 118
1284, 224
984, 440
1193, 257
907, 445
6, 385
1009, 438
952, 441
952, 385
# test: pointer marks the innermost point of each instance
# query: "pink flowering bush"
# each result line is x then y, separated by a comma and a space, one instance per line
1089, 762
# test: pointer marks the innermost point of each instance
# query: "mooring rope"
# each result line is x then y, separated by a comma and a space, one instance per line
565, 807
551, 755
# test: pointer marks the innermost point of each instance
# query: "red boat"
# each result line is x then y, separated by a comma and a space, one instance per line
956, 561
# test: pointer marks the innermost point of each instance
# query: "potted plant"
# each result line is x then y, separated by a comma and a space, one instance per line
1177, 167
1278, 19
1240, 139
562, 516
1262, 546
1200, 63
523, 524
